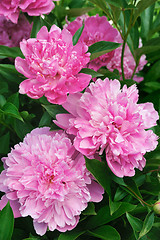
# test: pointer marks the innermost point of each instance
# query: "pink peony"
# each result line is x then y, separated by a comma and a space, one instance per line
11, 34
46, 178
99, 29
108, 118
128, 61
11, 8
95, 29
52, 65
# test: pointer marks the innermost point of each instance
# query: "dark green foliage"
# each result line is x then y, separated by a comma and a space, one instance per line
126, 211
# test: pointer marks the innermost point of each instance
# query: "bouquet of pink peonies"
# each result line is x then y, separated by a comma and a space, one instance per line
79, 104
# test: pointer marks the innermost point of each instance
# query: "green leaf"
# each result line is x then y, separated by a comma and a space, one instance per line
6, 223
105, 232
154, 234
75, 12
10, 52
54, 109
11, 110
141, 6
153, 74
4, 143
151, 188
120, 194
152, 85
37, 24
147, 225
111, 75
9, 72
77, 35
101, 4
3, 87
91, 72
151, 46
132, 187
114, 206
14, 99
116, 3
2, 101
146, 21
45, 120
116, 12
100, 48
99, 171
103, 215
71, 235
22, 128
118, 180
135, 223
90, 210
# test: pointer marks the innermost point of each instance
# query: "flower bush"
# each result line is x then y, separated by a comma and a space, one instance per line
79, 119
97, 29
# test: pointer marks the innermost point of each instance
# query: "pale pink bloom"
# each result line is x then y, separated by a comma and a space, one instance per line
128, 61
11, 8
12, 34
99, 29
95, 29
46, 178
108, 118
52, 65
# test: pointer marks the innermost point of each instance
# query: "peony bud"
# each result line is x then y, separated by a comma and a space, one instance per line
156, 207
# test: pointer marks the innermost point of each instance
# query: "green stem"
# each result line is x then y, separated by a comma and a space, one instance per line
139, 197
122, 57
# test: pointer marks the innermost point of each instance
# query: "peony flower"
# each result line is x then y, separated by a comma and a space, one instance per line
128, 61
11, 8
12, 34
108, 118
99, 29
45, 178
95, 29
52, 65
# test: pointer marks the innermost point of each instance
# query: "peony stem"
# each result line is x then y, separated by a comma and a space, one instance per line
149, 205
122, 56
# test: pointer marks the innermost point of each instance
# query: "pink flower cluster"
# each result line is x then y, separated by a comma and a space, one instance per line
95, 29
12, 34
99, 29
45, 178
52, 65
11, 8
108, 118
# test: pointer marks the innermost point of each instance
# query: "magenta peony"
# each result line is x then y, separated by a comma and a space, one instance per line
11, 8
12, 34
128, 61
108, 118
46, 178
95, 29
99, 29
52, 65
